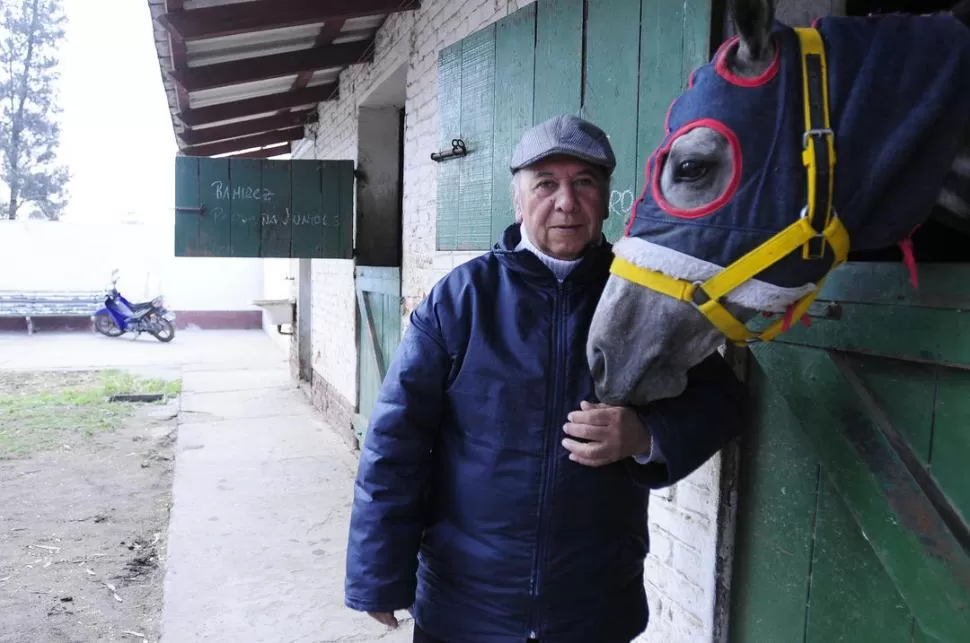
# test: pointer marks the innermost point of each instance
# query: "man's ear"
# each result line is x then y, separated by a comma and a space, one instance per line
516, 197
607, 194
753, 20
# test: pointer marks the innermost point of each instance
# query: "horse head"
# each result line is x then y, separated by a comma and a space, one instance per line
787, 147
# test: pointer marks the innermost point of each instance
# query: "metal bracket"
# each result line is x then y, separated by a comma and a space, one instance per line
457, 149
200, 210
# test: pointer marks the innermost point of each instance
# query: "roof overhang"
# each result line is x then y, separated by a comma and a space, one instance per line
243, 77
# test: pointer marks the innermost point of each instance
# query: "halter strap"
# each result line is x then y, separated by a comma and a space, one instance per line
818, 156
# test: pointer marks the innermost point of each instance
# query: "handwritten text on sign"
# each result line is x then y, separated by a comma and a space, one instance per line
301, 219
240, 192
267, 219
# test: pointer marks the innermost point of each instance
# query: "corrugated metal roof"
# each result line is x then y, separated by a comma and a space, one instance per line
219, 96
261, 43
201, 4
242, 91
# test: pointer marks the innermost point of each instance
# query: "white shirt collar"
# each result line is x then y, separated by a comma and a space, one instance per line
560, 267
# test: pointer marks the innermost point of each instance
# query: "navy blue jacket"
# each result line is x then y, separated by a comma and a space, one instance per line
466, 507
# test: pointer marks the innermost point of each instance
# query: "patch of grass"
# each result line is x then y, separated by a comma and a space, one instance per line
44, 410
120, 382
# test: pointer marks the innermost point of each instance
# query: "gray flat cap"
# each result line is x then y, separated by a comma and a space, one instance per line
564, 134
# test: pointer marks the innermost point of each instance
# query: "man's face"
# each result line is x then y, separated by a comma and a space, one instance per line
562, 202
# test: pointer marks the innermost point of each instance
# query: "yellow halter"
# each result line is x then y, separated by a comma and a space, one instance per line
819, 161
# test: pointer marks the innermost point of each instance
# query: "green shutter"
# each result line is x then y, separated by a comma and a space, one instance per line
245, 228
559, 58
466, 90
475, 170
449, 128
227, 207
612, 35
187, 213
215, 223
274, 209
514, 78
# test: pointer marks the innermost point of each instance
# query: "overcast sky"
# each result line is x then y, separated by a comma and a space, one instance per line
117, 136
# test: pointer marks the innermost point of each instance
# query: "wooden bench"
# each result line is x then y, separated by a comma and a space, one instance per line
31, 304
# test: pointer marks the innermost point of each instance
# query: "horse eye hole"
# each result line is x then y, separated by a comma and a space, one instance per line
691, 170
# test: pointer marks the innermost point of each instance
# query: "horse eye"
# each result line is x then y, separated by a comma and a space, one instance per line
691, 170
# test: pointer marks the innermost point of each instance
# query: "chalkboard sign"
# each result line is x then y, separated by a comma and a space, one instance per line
227, 207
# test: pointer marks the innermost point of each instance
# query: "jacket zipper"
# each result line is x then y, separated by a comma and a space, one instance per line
551, 437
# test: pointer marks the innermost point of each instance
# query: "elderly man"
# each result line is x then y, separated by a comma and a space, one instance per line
496, 499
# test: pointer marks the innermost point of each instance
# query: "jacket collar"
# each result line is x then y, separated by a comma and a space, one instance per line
595, 260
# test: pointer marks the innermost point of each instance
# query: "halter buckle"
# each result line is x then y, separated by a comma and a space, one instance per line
698, 289
804, 215
821, 131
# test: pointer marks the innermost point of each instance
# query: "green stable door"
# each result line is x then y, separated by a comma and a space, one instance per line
379, 332
855, 485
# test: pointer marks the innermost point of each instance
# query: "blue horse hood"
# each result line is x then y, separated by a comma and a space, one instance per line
899, 100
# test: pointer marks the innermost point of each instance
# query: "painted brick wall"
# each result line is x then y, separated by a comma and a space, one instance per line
680, 570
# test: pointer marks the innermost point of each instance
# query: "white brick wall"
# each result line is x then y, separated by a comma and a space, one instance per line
680, 570
334, 324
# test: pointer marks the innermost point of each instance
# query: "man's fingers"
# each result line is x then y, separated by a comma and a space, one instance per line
594, 432
384, 618
585, 450
589, 461
597, 416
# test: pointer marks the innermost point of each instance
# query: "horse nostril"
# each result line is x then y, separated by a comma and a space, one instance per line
597, 364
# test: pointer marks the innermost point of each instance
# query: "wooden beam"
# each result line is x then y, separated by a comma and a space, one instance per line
326, 36
245, 143
237, 18
176, 47
258, 105
263, 67
265, 153
246, 128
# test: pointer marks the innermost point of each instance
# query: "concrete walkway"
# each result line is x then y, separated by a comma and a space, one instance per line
261, 496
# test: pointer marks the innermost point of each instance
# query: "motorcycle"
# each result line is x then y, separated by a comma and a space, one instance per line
120, 316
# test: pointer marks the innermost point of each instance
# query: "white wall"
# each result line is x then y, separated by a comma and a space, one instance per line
66, 255
279, 283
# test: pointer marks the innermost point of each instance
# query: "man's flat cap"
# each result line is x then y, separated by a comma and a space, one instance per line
568, 135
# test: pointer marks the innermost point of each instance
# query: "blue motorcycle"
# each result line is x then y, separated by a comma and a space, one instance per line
120, 316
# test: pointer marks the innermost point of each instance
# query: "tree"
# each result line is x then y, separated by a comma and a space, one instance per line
30, 33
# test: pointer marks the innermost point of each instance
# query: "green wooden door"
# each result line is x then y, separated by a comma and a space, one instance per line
379, 332
855, 486
231, 207
618, 63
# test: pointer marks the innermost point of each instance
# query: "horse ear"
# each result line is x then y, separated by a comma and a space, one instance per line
753, 20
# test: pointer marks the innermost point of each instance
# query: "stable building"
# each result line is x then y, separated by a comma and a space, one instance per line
363, 146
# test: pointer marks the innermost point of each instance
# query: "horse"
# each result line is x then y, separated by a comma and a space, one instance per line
787, 148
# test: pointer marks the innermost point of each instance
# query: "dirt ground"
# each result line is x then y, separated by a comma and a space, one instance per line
85, 489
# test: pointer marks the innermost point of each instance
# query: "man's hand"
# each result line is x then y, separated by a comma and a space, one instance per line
613, 433
384, 618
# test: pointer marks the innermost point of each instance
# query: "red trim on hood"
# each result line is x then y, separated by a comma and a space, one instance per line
720, 66
717, 203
